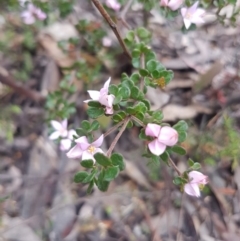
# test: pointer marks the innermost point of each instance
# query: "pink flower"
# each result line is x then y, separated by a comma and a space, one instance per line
32, 13
62, 131
172, 4
106, 41
103, 98
164, 136
192, 15
196, 179
83, 149
114, 4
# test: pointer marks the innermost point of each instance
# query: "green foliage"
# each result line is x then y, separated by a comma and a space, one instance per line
57, 104
231, 146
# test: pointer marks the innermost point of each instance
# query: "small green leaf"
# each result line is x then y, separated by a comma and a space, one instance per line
136, 62
135, 77
147, 103
142, 135
111, 173
182, 135
143, 33
156, 74
90, 177
95, 125
152, 65
102, 159
196, 166
124, 92
81, 132
130, 124
140, 107
117, 160
143, 72
95, 112
117, 100
165, 157
135, 92
130, 110
80, 176
101, 183
177, 181
130, 36
85, 125
179, 150
157, 115
190, 162
181, 126
136, 53
94, 104
113, 89
87, 163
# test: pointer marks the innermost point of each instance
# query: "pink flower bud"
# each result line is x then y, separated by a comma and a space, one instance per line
172, 4
196, 179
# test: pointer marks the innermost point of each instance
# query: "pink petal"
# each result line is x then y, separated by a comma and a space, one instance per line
193, 8
56, 125
197, 177
107, 83
107, 42
168, 136
183, 12
156, 147
175, 4
83, 142
75, 152
192, 189
98, 142
107, 100
65, 144
109, 110
71, 133
164, 3
94, 94
110, 100
87, 155
64, 124
152, 130
187, 23
40, 14
55, 135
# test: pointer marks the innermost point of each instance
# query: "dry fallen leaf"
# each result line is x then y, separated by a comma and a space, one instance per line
173, 112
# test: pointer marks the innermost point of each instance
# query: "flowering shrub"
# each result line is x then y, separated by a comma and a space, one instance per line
126, 102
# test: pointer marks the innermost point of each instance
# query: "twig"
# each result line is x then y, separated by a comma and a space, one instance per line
175, 167
113, 128
19, 88
112, 25
138, 121
109, 152
180, 218
125, 9
142, 62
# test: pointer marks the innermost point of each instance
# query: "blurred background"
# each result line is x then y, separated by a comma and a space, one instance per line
46, 68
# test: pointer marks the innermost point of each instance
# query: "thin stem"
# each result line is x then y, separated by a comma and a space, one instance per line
175, 167
138, 121
109, 152
142, 62
112, 25
113, 128
180, 218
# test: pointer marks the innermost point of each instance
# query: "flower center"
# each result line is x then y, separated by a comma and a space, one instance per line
91, 149
188, 16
